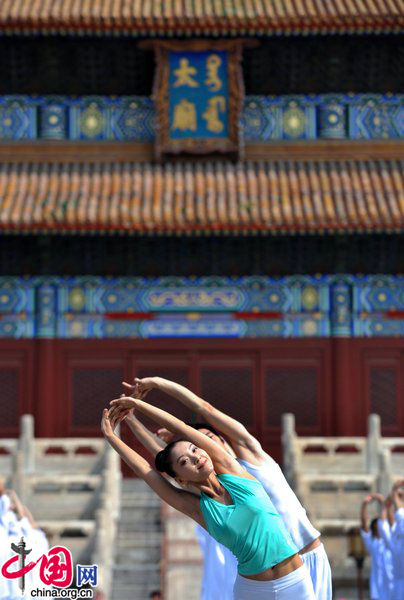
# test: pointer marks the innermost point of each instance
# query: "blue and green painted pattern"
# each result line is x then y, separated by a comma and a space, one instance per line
210, 307
264, 118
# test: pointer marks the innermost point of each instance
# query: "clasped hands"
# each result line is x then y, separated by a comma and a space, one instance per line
125, 405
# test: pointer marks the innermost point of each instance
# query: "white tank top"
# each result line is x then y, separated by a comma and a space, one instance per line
284, 499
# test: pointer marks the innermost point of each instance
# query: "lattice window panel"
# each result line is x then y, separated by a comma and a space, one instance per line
383, 394
280, 65
82, 66
93, 389
155, 256
9, 397
321, 64
291, 390
179, 375
230, 390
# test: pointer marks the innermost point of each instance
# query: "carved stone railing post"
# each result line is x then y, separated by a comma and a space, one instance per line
26, 443
18, 476
373, 445
290, 451
23, 461
102, 550
31, 462
385, 475
107, 519
113, 479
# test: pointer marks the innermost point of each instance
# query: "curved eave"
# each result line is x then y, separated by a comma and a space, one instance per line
100, 229
354, 25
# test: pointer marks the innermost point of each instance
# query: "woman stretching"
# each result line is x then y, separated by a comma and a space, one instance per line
233, 506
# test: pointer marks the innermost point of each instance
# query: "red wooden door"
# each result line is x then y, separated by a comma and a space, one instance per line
296, 379
331, 385
382, 385
16, 384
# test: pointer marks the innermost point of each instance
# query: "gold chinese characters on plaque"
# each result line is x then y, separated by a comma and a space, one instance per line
198, 91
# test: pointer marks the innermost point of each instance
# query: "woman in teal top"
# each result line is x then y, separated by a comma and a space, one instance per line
233, 506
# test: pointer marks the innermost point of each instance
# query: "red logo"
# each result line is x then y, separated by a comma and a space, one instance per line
52, 570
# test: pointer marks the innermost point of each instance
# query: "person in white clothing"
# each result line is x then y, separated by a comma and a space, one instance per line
16, 521
12, 530
4, 548
258, 463
219, 564
36, 541
397, 542
381, 568
219, 568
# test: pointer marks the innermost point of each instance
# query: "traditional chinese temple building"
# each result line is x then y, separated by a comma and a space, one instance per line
209, 191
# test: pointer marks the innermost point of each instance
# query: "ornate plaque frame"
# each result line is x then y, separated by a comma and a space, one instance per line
230, 144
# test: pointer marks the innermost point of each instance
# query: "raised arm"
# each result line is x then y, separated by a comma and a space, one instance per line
181, 500
364, 513
16, 504
382, 505
151, 442
389, 505
222, 461
30, 518
396, 494
244, 444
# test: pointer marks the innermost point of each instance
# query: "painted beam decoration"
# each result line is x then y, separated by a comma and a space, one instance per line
204, 307
198, 92
262, 119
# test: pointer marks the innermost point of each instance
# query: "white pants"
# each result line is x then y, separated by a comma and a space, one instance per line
398, 589
319, 568
295, 586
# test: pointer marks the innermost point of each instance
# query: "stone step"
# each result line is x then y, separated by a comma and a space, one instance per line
137, 523
145, 548
133, 570
133, 514
150, 523
133, 592
137, 548
134, 484
136, 502
140, 501
132, 529
130, 542
136, 574
135, 517
139, 554
141, 539
142, 511
123, 545
147, 515
145, 494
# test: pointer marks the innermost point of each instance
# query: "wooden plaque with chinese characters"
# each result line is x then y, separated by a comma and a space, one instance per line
198, 92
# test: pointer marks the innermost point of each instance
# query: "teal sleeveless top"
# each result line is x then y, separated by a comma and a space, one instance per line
250, 528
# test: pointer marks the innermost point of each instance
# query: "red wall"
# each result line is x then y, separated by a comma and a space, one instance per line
330, 384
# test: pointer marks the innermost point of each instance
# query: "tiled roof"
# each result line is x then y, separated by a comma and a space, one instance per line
210, 197
202, 17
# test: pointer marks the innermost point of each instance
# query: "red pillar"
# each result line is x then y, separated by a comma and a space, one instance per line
47, 393
346, 403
